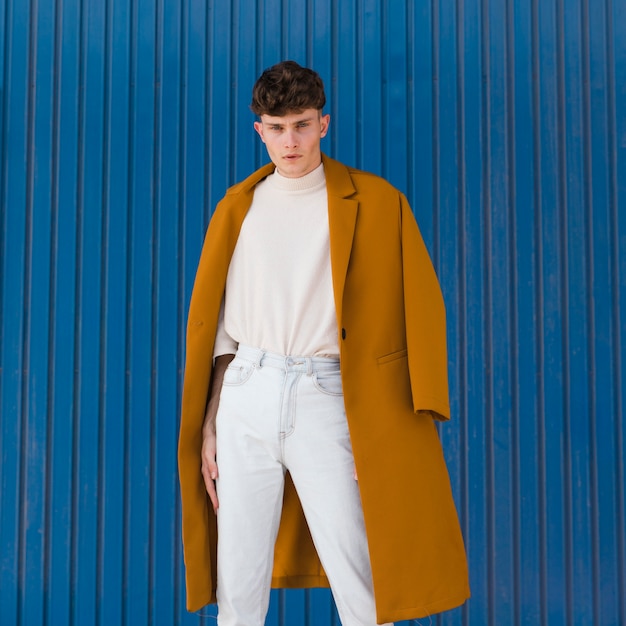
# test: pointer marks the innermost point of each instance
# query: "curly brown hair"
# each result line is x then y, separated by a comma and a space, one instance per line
287, 88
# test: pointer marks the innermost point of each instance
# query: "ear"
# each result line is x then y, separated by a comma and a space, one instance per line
258, 126
324, 123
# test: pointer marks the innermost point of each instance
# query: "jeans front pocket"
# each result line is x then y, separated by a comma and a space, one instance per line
238, 372
328, 382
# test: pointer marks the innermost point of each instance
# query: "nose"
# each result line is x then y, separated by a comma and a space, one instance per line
290, 139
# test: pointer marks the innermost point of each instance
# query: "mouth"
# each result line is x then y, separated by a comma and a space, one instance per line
291, 157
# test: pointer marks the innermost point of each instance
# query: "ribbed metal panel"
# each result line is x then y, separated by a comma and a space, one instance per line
121, 124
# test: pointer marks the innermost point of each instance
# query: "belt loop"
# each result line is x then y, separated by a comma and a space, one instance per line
259, 358
309, 366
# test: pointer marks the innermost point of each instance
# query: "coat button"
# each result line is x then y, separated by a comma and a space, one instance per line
343, 333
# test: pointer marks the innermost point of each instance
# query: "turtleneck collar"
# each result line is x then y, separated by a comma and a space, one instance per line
303, 183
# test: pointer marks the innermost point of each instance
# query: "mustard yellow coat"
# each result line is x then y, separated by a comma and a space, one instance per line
391, 328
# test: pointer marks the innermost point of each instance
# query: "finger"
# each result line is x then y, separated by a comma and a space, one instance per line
208, 459
209, 484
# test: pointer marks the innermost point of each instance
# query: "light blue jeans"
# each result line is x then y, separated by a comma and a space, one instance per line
279, 414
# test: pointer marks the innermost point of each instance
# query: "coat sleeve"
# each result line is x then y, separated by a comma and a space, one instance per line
425, 320
198, 519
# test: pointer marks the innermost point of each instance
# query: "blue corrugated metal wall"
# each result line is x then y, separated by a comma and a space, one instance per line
121, 124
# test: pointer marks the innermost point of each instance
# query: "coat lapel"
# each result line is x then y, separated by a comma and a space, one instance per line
342, 214
236, 202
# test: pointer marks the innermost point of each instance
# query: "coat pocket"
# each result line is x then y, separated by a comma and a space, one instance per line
393, 356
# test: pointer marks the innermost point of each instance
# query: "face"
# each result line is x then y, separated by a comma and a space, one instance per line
293, 140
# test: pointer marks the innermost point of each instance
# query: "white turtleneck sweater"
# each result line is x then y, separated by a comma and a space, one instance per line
279, 294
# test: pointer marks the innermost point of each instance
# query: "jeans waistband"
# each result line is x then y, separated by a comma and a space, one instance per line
308, 364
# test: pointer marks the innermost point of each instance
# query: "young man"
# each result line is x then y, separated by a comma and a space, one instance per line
316, 362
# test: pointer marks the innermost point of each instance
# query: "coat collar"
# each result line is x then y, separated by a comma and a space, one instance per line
338, 179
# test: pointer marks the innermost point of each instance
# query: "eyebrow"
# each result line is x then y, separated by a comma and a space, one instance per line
304, 119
